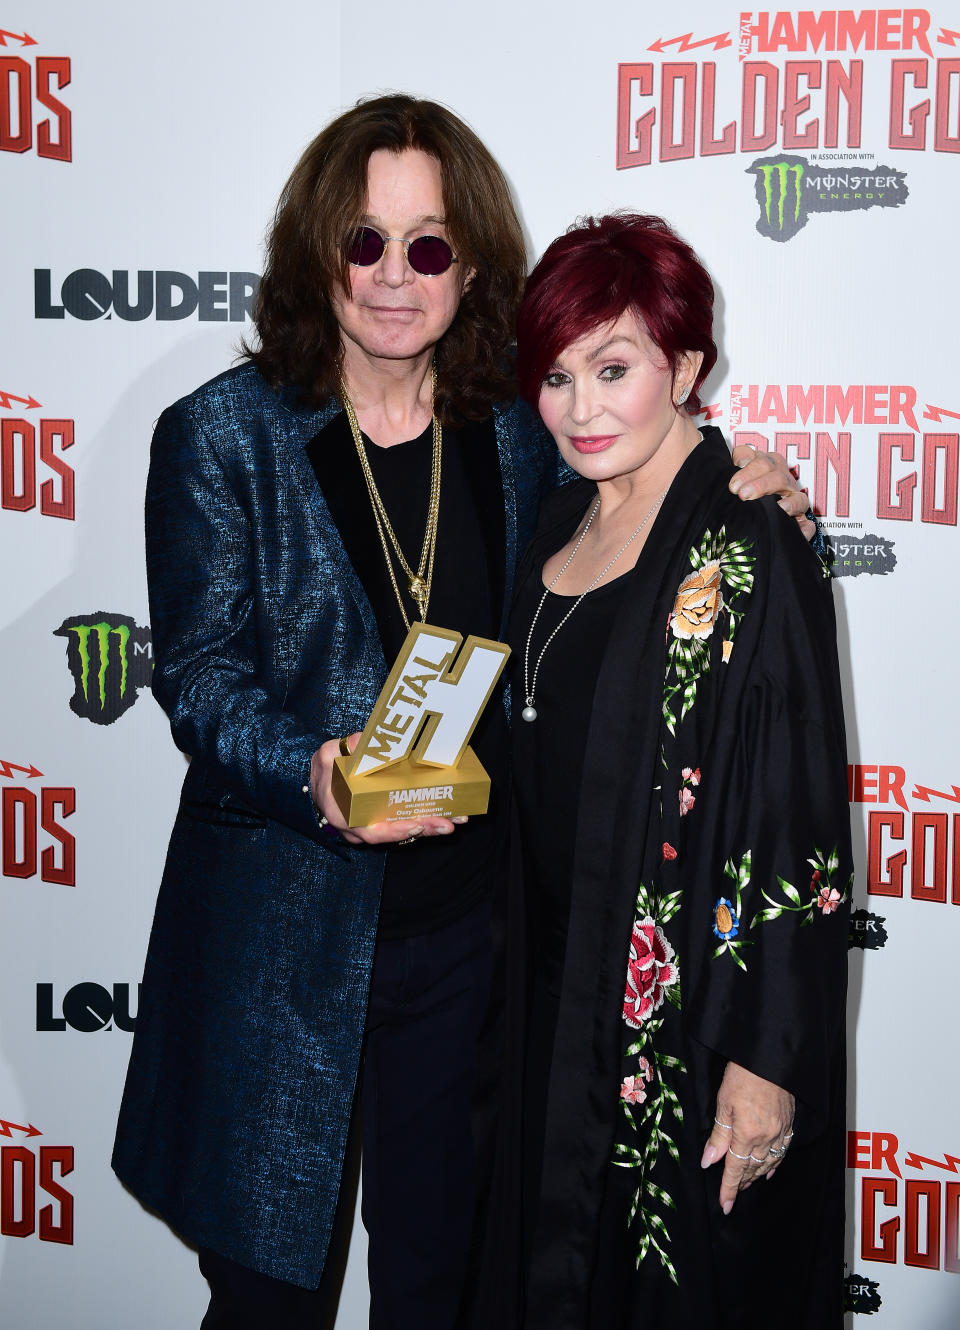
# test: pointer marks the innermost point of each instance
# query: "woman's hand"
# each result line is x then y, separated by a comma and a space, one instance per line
752, 1131
767, 473
381, 833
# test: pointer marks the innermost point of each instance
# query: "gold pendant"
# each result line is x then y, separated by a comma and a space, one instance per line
416, 586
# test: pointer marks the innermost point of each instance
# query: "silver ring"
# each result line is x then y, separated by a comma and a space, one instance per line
736, 1156
727, 1126
777, 1151
408, 840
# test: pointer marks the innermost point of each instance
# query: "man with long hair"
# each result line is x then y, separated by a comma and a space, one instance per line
368, 465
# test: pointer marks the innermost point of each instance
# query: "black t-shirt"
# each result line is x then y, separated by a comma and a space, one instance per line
437, 879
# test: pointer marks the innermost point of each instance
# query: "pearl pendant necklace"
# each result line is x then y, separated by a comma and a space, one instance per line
529, 712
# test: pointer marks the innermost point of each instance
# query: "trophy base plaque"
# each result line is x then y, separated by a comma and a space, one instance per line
406, 790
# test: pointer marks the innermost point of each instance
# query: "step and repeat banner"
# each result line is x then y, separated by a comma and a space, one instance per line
810, 156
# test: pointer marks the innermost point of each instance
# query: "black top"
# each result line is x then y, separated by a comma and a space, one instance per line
547, 753
436, 880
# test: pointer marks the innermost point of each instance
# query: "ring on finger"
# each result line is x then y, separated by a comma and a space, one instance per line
736, 1156
727, 1126
778, 1151
407, 840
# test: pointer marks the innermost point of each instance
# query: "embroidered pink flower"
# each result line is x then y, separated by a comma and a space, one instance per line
828, 900
650, 971
632, 1090
687, 800
815, 880
668, 851
690, 777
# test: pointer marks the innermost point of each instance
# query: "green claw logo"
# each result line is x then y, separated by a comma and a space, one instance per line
789, 189
779, 186
110, 658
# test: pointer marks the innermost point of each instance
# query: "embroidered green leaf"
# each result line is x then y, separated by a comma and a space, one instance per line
789, 890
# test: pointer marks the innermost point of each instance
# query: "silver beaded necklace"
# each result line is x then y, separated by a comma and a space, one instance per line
529, 712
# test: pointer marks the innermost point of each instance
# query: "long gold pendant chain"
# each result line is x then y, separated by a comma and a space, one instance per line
418, 583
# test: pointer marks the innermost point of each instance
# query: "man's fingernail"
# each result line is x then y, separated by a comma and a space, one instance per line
745, 491
459, 820
735, 484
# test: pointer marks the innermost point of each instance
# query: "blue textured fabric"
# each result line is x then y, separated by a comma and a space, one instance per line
244, 1064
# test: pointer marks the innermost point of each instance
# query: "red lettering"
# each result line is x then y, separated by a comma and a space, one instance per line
710, 145
883, 1246
947, 102
883, 1152
642, 128
755, 74
59, 1227
17, 1191
59, 148
19, 824
894, 866
849, 85
52, 431
916, 136
858, 1149
900, 510
17, 445
951, 1237
865, 785
933, 445
890, 786
835, 458
671, 149
920, 888
922, 1249
15, 79
795, 105
64, 873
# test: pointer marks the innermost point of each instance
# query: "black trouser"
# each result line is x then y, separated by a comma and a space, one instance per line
428, 995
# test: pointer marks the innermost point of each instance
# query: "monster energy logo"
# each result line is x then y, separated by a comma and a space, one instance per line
110, 659
788, 189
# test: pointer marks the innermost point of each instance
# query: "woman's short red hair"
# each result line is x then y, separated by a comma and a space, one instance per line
601, 267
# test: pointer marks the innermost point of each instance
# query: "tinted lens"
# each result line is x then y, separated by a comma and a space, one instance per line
365, 248
429, 255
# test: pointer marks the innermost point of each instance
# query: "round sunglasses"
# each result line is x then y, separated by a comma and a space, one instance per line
427, 255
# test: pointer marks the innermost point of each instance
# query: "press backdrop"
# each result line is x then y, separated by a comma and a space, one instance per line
812, 159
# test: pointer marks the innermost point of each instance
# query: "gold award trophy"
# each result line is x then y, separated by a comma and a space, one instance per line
412, 759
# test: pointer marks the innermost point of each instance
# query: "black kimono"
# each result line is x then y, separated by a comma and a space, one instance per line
692, 911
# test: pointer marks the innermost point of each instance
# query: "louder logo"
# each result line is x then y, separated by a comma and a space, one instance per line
165, 295
33, 117
111, 659
86, 1007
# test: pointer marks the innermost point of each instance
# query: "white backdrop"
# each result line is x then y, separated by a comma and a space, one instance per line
139, 142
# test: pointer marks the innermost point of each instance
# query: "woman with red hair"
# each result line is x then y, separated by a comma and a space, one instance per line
680, 777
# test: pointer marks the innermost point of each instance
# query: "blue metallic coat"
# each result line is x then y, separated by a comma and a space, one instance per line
241, 1080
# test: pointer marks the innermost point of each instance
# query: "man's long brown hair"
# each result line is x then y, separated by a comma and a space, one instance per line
323, 203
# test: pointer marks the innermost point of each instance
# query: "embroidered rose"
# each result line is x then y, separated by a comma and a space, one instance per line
829, 899
699, 601
690, 776
633, 1091
687, 800
726, 921
650, 970
668, 851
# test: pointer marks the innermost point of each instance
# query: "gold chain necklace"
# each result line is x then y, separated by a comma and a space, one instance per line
420, 582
